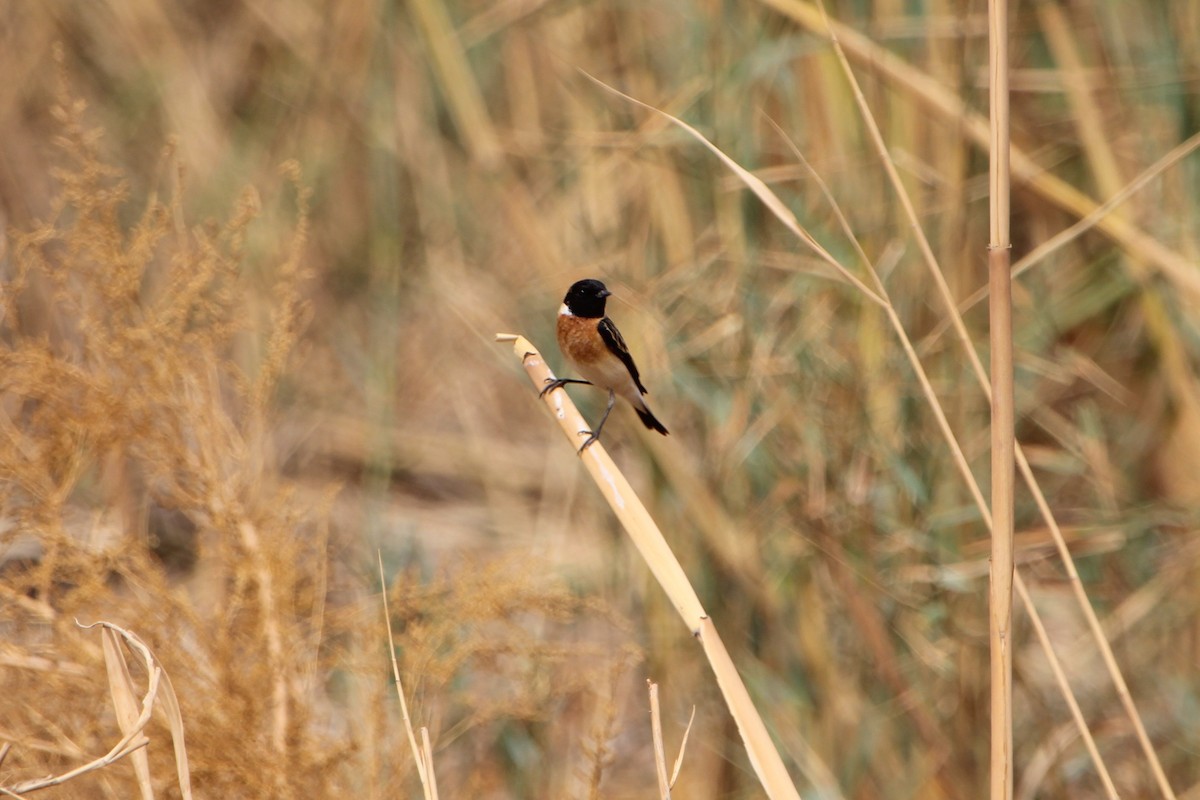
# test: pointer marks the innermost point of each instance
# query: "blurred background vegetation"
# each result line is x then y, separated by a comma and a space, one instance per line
224, 386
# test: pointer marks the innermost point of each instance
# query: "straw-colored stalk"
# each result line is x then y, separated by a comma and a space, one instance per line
1003, 414
423, 752
649, 541
456, 80
660, 757
665, 782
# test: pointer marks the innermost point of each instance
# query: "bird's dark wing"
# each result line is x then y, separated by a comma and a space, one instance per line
616, 346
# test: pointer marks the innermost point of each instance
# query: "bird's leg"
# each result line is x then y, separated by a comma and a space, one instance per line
554, 383
595, 435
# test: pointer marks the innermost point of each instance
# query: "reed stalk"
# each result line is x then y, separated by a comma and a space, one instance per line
653, 547
1003, 413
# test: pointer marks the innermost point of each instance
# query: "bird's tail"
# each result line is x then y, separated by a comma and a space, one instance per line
649, 420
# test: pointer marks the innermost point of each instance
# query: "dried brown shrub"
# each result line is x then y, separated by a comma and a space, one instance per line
131, 416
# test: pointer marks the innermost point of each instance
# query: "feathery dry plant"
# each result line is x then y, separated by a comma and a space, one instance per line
133, 429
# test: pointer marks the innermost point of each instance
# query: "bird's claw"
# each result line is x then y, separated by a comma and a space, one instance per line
554, 383
592, 439
551, 385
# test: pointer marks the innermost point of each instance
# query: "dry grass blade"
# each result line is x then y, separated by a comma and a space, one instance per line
170, 707
682, 749
164, 693
660, 758
120, 684
427, 748
1072, 703
122, 749
1092, 219
760, 189
408, 728
649, 541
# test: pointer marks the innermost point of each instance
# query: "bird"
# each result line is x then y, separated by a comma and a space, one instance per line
593, 345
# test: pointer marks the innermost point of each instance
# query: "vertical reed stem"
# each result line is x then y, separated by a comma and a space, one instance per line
1000, 313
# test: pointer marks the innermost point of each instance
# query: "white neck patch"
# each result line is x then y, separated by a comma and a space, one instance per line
563, 311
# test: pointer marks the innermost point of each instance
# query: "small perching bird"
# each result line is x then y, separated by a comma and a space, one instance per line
594, 346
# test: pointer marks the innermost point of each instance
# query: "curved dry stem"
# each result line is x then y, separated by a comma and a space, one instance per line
408, 728
657, 554
1076, 713
760, 189
121, 689
132, 741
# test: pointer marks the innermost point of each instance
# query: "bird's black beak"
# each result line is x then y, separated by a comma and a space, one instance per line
605, 293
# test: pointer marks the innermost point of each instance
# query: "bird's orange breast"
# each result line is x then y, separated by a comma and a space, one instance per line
580, 341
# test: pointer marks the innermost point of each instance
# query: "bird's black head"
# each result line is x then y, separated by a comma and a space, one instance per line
586, 298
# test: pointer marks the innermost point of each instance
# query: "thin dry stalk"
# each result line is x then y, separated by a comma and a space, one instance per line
120, 685
432, 790
682, 750
602, 732
408, 728
649, 541
1076, 714
660, 757
760, 189
1002, 567
463, 97
1003, 413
